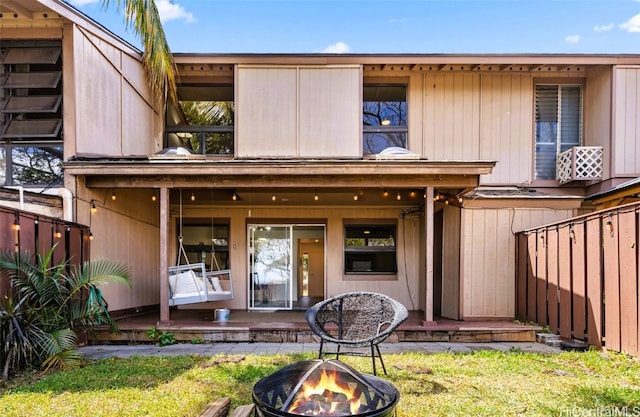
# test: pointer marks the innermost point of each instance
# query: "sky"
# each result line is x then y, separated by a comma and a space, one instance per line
383, 26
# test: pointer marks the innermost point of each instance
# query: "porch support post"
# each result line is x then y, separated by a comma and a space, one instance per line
428, 235
164, 255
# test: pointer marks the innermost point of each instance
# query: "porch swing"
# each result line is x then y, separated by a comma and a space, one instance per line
191, 283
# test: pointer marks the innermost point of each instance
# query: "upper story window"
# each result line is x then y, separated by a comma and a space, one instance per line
558, 125
203, 120
31, 148
370, 249
384, 117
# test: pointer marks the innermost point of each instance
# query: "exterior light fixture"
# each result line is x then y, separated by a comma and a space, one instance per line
234, 197
113, 196
385, 193
58, 234
609, 225
355, 196
316, 197
94, 209
273, 197
153, 197
412, 194
16, 223
193, 197
398, 196
90, 235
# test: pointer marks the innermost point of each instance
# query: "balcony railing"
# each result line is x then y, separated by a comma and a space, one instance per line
579, 163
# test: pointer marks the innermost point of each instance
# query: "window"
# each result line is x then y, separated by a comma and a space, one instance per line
558, 125
370, 249
203, 119
31, 147
197, 240
384, 117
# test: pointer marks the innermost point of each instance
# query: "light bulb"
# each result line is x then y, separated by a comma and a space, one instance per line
315, 197
193, 197
398, 196
113, 196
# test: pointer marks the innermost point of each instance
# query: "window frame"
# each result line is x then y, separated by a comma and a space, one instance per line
558, 143
366, 251
401, 129
198, 93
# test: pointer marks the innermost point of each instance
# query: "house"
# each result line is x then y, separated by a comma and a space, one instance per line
309, 175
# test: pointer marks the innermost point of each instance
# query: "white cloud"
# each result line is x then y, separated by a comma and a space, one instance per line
169, 10
337, 48
83, 2
572, 39
604, 28
632, 25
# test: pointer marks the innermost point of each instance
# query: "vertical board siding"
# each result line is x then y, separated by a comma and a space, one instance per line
598, 114
450, 304
330, 112
266, 112
597, 263
451, 117
626, 121
506, 127
552, 279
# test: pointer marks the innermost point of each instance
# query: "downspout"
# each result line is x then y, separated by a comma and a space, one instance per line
21, 192
67, 203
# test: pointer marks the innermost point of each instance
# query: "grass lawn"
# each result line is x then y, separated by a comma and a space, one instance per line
484, 383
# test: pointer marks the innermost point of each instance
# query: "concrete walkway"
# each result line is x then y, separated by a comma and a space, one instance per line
265, 348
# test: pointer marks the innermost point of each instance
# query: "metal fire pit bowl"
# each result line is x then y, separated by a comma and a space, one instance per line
282, 394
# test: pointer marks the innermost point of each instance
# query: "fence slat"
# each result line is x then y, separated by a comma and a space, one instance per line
594, 291
628, 283
611, 233
532, 278
552, 279
578, 282
564, 282
522, 274
541, 281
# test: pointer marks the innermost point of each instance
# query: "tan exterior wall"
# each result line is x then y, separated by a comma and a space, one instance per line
626, 123
450, 304
125, 230
597, 114
298, 112
114, 111
403, 286
488, 257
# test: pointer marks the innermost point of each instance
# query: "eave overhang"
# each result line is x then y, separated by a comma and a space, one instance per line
280, 173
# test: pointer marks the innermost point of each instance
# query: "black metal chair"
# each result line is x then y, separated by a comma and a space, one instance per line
356, 320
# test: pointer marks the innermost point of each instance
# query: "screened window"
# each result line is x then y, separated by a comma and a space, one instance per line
384, 117
558, 125
31, 146
203, 120
370, 249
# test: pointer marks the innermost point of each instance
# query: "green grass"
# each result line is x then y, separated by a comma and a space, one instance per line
484, 383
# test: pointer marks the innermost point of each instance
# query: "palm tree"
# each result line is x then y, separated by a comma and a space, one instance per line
143, 17
47, 304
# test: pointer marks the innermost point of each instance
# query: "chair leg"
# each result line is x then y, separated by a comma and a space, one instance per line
381, 361
320, 351
373, 360
338, 353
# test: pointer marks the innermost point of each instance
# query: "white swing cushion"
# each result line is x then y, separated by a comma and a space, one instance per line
215, 282
185, 284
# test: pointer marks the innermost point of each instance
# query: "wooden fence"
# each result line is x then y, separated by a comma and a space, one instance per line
24, 231
580, 278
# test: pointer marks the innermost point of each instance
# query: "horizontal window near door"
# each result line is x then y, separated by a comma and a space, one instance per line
370, 249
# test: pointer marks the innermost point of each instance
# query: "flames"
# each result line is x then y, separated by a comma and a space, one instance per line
327, 396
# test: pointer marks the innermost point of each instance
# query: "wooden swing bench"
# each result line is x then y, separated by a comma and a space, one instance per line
192, 283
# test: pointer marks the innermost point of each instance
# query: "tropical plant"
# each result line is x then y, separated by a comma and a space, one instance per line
143, 17
47, 304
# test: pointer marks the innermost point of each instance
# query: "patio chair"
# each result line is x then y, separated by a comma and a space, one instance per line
355, 320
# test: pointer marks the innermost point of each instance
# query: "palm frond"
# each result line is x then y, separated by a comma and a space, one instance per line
143, 17
62, 352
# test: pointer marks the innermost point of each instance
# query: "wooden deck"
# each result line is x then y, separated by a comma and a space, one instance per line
291, 326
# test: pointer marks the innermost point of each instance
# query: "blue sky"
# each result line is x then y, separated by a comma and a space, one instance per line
381, 26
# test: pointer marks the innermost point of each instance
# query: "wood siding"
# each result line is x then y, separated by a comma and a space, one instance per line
488, 261
597, 114
451, 263
626, 123
114, 112
298, 112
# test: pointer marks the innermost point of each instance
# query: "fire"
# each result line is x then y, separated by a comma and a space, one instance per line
326, 396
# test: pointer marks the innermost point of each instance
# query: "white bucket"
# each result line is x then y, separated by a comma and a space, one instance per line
222, 314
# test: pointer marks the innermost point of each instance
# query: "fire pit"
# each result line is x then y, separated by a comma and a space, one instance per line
323, 388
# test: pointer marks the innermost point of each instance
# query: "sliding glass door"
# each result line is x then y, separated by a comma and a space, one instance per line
270, 249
